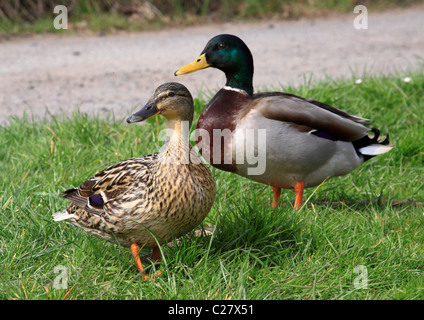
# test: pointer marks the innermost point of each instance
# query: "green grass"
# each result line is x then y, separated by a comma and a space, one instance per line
256, 252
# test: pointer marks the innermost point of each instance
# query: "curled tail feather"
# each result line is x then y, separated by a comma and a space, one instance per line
368, 147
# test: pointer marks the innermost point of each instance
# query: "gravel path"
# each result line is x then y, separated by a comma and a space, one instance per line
51, 74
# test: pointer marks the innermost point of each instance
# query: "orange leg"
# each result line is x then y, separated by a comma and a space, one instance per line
277, 192
135, 248
298, 188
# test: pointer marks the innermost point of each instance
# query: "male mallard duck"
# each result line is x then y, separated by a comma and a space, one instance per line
151, 199
307, 141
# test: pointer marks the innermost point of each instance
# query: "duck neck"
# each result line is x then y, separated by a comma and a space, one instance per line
242, 79
176, 149
239, 72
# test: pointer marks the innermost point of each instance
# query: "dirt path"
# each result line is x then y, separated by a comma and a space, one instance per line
55, 74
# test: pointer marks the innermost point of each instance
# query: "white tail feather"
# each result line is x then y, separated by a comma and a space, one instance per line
375, 149
62, 215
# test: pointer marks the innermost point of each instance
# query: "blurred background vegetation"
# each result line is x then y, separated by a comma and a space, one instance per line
17, 16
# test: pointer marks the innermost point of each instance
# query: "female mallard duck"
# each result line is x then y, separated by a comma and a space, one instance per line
307, 141
144, 201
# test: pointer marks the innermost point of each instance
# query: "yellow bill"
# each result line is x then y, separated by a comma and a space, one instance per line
198, 64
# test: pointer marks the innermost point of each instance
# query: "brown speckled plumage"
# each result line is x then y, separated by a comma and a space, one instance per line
148, 199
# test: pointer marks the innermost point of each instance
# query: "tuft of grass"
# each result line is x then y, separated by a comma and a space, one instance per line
255, 252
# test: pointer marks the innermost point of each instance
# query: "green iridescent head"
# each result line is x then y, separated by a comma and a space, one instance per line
229, 54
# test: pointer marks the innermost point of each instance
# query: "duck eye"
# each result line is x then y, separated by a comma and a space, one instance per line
171, 94
221, 46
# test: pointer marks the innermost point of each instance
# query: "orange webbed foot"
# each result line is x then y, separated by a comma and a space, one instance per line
135, 248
